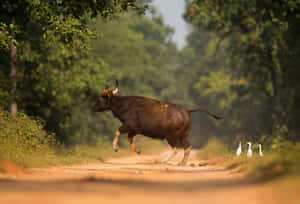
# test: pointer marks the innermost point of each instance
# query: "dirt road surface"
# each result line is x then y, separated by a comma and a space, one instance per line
137, 179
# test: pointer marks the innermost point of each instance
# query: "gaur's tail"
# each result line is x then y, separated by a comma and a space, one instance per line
205, 111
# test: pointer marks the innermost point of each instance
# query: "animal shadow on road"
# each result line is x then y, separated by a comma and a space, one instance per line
96, 183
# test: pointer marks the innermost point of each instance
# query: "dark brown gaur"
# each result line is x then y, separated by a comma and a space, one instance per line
149, 117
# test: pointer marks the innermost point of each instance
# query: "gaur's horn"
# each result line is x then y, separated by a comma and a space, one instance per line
116, 89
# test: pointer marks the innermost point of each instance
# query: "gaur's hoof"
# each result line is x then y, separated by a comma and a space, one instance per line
116, 148
181, 164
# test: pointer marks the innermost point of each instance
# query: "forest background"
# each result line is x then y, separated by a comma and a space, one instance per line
241, 61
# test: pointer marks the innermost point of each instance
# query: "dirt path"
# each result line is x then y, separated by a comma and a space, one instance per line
137, 179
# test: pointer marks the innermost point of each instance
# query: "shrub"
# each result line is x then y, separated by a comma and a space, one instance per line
281, 161
24, 141
214, 148
22, 137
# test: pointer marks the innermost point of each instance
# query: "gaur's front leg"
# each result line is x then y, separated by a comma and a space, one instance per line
116, 140
133, 147
120, 131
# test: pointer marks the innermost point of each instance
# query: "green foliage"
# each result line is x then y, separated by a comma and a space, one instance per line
22, 136
135, 55
214, 148
217, 86
4, 36
24, 141
57, 19
248, 65
131, 44
55, 68
280, 160
4, 88
64, 78
283, 161
84, 127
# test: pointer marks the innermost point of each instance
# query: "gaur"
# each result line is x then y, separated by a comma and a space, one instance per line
149, 117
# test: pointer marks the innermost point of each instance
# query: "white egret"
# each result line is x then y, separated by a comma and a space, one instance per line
249, 153
239, 150
260, 151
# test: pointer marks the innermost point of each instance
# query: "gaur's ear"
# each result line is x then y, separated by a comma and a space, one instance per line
105, 92
114, 92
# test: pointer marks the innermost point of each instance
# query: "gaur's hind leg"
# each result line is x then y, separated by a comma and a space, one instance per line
173, 151
187, 149
120, 131
133, 147
169, 156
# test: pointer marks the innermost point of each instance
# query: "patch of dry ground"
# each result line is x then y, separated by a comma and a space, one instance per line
9, 167
137, 179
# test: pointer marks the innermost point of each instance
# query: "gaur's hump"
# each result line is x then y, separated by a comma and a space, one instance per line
161, 102
147, 97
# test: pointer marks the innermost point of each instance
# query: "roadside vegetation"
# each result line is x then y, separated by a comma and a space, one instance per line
275, 162
278, 160
24, 141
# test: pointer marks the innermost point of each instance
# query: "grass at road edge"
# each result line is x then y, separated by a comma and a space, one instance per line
275, 163
64, 156
24, 141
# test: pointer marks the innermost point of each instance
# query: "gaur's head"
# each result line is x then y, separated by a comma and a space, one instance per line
103, 102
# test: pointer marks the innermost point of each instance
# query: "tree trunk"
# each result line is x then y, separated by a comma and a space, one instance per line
13, 71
